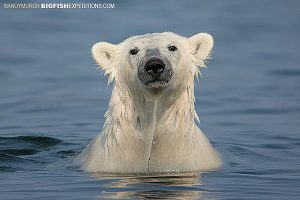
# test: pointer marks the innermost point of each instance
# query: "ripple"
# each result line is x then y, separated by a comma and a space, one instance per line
19, 152
12, 158
7, 169
25, 153
37, 142
67, 153
286, 72
11, 163
178, 186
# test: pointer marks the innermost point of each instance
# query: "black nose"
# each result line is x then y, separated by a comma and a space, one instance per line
155, 67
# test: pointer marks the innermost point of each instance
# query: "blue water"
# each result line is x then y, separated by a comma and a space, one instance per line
53, 98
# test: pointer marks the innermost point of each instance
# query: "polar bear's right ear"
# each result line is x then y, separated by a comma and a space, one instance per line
200, 46
105, 55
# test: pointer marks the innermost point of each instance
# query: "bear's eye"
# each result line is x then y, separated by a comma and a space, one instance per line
134, 51
172, 48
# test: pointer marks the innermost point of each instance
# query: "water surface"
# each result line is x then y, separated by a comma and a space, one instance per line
53, 98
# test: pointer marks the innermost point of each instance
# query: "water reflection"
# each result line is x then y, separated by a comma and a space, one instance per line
178, 186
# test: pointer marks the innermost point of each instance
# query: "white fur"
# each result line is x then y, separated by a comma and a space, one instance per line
144, 131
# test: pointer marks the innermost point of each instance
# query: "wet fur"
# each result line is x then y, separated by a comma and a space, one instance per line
148, 131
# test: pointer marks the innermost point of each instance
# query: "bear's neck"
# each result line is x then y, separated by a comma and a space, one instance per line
170, 114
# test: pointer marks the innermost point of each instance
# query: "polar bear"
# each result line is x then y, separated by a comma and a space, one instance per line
150, 122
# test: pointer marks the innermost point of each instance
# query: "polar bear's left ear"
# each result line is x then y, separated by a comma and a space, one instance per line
105, 55
200, 46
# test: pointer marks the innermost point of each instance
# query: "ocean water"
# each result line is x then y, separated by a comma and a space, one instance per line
53, 98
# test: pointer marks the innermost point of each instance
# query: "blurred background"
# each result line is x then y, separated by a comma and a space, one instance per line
53, 98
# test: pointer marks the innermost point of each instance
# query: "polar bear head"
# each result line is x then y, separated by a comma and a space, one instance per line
154, 62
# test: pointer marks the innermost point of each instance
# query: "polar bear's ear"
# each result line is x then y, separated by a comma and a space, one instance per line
105, 55
200, 46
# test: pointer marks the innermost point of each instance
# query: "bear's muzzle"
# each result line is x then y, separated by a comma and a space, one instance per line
155, 71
